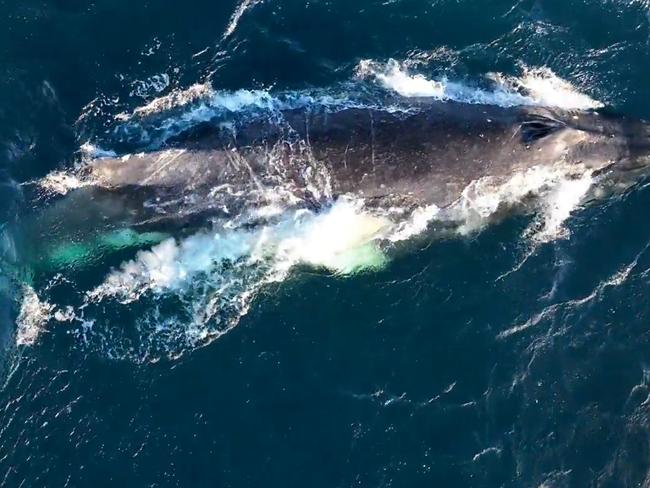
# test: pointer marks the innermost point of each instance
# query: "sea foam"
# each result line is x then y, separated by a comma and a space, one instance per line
341, 239
535, 86
216, 273
33, 315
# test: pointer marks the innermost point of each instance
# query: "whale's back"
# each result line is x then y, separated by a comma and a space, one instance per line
427, 155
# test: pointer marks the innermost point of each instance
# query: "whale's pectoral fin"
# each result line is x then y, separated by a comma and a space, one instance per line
537, 127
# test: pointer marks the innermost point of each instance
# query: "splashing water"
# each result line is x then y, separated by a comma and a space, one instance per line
33, 315
215, 275
538, 86
181, 109
341, 239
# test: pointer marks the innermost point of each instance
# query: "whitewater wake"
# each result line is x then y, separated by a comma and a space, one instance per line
185, 292
535, 87
379, 85
213, 276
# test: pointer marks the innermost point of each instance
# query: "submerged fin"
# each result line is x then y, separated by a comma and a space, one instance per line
535, 127
76, 254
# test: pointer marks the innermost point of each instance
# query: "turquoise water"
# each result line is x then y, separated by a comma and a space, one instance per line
493, 357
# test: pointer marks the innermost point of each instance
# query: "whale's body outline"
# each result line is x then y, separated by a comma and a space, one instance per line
426, 155
379, 153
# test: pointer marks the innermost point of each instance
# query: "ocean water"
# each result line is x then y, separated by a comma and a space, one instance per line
512, 352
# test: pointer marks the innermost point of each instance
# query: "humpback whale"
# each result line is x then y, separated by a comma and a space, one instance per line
424, 155
428, 156
219, 212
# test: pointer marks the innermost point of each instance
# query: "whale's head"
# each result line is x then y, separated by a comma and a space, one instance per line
614, 147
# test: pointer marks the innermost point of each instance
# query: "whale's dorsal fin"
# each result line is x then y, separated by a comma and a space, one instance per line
536, 126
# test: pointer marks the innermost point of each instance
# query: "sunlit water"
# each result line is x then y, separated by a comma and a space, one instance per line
334, 347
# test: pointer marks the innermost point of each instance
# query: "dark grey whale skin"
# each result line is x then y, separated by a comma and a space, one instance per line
426, 155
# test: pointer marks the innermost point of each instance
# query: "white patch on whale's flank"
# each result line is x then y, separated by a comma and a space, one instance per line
33, 314
241, 9
538, 86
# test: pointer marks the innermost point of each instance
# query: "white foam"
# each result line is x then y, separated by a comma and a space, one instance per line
417, 223
180, 110
344, 238
554, 191
341, 239
391, 75
241, 9
215, 275
92, 151
538, 86
544, 87
489, 451
33, 314
207, 102
566, 195
177, 98
615, 280
151, 86
61, 182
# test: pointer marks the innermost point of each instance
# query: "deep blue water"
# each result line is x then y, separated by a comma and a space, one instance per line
404, 376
